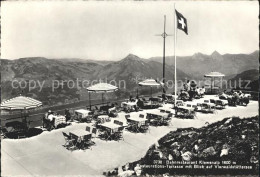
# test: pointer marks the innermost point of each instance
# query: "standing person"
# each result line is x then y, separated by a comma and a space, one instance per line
203, 90
188, 85
67, 115
198, 92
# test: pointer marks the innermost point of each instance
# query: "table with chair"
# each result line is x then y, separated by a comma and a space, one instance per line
111, 130
208, 107
128, 106
79, 139
185, 111
137, 124
221, 104
158, 118
83, 115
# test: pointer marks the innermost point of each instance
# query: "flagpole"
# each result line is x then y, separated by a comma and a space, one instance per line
175, 73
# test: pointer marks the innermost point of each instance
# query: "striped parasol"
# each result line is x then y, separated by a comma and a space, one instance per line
151, 83
20, 103
212, 76
101, 88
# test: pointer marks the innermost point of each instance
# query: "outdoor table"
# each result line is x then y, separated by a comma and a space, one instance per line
157, 118
225, 102
187, 112
82, 113
111, 109
103, 116
207, 107
129, 105
165, 109
59, 119
110, 128
137, 122
189, 109
159, 114
78, 135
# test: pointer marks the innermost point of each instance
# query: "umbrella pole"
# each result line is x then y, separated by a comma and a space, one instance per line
89, 100
151, 91
102, 98
137, 92
211, 86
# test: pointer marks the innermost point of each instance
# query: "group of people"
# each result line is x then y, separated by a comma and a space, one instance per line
235, 97
191, 90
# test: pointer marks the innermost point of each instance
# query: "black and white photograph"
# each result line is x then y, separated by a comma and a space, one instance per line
129, 88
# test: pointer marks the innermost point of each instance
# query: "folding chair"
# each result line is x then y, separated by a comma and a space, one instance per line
169, 118
4, 132
119, 134
116, 122
141, 115
94, 131
127, 116
88, 128
88, 119
68, 140
145, 127
21, 134
87, 141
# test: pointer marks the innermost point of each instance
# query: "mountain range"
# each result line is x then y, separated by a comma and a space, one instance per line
130, 70
199, 64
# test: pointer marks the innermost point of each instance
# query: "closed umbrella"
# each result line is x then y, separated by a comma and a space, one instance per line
101, 88
214, 75
151, 83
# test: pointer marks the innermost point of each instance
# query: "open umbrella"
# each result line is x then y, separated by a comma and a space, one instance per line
151, 83
101, 88
21, 103
214, 75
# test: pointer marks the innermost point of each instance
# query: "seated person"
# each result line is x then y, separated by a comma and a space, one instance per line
67, 115
131, 99
164, 97
202, 91
185, 87
140, 103
198, 90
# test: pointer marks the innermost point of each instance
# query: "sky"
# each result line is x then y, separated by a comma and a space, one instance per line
111, 30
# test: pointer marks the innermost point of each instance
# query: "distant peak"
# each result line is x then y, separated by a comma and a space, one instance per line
215, 53
198, 54
131, 57
255, 52
216, 56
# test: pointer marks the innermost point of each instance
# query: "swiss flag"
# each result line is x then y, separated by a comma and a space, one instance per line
181, 22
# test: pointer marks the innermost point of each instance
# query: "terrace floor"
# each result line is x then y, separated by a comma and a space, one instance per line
44, 154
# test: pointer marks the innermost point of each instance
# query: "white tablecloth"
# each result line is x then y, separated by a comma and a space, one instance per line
59, 120
128, 104
83, 112
111, 126
138, 120
80, 132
